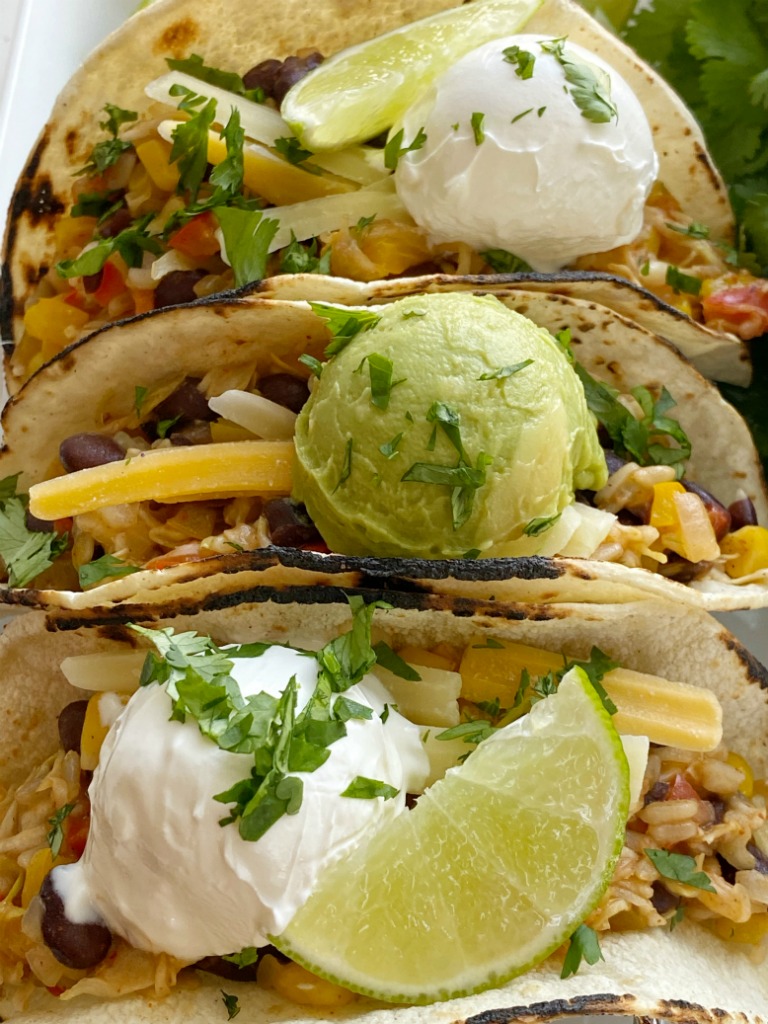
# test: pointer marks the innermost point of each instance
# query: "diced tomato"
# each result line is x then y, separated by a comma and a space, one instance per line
75, 827
197, 237
73, 298
143, 299
56, 990
319, 546
112, 284
681, 789
741, 309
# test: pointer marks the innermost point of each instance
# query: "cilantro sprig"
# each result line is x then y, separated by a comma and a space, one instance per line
679, 867
106, 567
105, 154
583, 945
195, 67
590, 85
247, 237
344, 324
55, 836
26, 553
395, 147
131, 244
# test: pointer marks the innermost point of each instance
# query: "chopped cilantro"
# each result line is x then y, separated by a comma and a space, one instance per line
682, 282
131, 244
361, 788
26, 552
9, 486
535, 527
693, 230
522, 60
647, 440
247, 237
475, 731
97, 204
505, 371
390, 448
346, 466
139, 394
540, 111
190, 148
676, 918
292, 150
472, 553
106, 567
563, 339
476, 121
363, 224
521, 115
105, 154
380, 370
245, 958
680, 868
343, 323
55, 837
232, 1003
504, 262
590, 85
463, 479
645, 269
584, 945
303, 259
313, 364
164, 427
195, 67
389, 659
345, 708
228, 175
395, 149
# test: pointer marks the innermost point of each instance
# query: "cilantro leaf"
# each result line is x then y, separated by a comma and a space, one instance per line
232, 1004
300, 259
26, 552
504, 262
313, 364
247, 237
195, 67
591, 86
228, 175
9, 487
292, 150
380, 369
535, 527
392, 661
362, 788
680, 868
55, 837
682, 282
105, 154
470, 732
343, 323
106, 567
390, 448
190, 148
395, 149
131, 244
523, 61
346, 465
476, 121
245, 958
505, 371
584, 945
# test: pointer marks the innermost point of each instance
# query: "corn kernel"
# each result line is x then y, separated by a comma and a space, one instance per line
749, 545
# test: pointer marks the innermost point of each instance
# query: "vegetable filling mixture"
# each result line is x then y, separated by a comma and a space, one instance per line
695, 847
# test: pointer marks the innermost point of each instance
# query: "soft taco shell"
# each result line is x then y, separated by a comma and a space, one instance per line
165, 346
688, 977
237, 37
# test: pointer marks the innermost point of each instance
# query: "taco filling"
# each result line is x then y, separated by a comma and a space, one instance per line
435, 426
209, 189
89, 908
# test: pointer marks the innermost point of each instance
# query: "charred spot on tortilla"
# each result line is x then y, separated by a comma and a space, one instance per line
177, 38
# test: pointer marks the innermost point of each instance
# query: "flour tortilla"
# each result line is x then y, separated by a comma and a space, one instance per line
688, 977
237, 36
62, 399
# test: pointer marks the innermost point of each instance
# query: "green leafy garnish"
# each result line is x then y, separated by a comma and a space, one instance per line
505, 371
584, 945
139, 394
292, 150
106, 567
394, 148
475, 731
55, 837
9, 486
477, 127
190, 147
390, 448
380, 369
97, 204
344, 324
105, 154
245, 958
563, 339
389, 659
228, 175
540, 525
346, 466
681, 282
232, 1004
361, 788
26, 552
676, 918
680, 868
131, 244
590, 85
645, 440
313, 364
523, 61
693, 230
247, 237
164, 427
303, 259
521, 115
363, 224
504, 262
195, 66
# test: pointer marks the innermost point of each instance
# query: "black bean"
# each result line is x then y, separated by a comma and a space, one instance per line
71, 724
718, 808
186, 404
83, 451
285, 389
177, 287
742, 513
115, 223
727, 869
91, 282
292, 71
289, 524
613, 461
658, 791
718, 514
37, 525
262, 76
78, 946
761, 861
663, 900
680, 569
196, 433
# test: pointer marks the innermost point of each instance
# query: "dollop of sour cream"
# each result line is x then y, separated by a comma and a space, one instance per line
160, 870
510, 162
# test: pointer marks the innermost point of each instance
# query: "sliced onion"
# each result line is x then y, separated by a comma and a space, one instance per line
261, 417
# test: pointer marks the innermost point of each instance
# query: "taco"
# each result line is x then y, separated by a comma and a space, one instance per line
694, 799
181, 466
104, 225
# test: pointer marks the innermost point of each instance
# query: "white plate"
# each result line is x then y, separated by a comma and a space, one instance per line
51, 39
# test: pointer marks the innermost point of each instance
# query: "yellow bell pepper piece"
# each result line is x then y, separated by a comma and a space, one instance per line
73, 233
226, 430
300, 986
683, 522
55, 322
169, 475
667, 712
737, 761
663, 511
155, 155
273, 178
749, 546
96, 725
39, 865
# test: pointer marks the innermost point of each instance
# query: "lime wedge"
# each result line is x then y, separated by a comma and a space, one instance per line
493, 869
360, 91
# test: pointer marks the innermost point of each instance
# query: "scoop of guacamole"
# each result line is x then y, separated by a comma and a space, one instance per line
452, 425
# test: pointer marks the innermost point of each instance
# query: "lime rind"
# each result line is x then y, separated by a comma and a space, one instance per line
361, 91
453, 921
